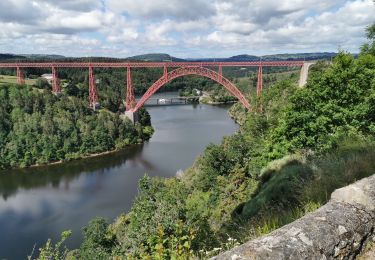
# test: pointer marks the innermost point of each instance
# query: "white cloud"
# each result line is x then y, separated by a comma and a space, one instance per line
75, 5
22, 11
59, 40
293, 29
194, 28
178, 9
70, 22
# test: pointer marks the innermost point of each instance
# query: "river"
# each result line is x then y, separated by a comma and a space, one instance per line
39, 203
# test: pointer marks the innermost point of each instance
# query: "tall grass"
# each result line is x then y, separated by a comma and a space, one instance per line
344, 166
272, 222
295, 185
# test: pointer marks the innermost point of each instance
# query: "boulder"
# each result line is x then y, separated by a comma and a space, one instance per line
338, 230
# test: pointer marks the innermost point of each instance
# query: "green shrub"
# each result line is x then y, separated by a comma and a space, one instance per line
55, 252
98, 242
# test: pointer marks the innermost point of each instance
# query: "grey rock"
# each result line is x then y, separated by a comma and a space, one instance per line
337, 230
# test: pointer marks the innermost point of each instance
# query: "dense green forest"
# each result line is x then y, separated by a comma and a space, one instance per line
36, 127
289, 155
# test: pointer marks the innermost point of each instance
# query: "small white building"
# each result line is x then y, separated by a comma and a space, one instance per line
48, 77
197, 92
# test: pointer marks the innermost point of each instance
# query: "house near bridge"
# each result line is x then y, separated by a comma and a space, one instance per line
48, 77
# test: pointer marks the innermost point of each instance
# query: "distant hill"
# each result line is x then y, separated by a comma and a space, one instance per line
206, 59
243, 57
43, 56
300, 56
156, 57
274, 57
6, 56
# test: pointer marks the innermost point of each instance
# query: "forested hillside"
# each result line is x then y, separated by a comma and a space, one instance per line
289, 155
36, 127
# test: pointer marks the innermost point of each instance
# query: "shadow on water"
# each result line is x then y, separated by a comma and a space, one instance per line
13, 180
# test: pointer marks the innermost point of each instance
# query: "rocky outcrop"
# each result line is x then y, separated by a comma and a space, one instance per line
338, 230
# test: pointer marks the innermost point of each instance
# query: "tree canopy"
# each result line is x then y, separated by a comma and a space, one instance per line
36, 127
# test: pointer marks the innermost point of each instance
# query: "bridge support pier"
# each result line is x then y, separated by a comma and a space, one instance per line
130, 99
55, 82
260, 81
93, 93
133, 116
20, 77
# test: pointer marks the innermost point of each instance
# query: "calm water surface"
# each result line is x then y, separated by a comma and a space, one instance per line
39, 203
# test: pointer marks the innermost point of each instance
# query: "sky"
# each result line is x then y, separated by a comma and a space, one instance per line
182, 28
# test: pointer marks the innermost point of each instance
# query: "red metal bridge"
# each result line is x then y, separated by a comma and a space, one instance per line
172, 70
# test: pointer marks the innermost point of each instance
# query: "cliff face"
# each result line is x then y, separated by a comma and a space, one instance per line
338, 230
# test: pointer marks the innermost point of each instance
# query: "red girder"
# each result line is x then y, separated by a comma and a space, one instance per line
93, 94
20, 77
130, 99
183, 71
150, 64
55, 81
165, 72
260, 81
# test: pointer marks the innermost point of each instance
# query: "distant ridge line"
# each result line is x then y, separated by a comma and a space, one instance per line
163, 57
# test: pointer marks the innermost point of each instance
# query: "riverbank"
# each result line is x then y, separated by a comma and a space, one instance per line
46, 200
209, 102
73, 159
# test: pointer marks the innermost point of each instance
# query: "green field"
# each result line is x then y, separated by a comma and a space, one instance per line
6, 79
243, 83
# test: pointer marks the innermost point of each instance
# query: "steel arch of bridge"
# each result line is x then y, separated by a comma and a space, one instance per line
184, 71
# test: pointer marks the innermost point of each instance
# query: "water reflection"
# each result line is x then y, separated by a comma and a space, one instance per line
39, 203
13, 180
